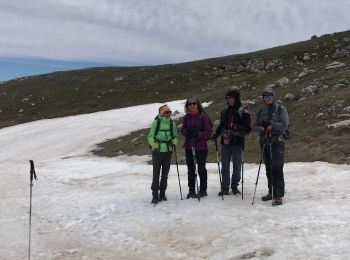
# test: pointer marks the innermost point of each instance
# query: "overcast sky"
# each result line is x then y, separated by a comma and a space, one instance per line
132, 32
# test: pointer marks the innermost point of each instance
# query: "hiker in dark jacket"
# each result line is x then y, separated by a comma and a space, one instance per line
272, 121
196, 128
234, 125
161, 138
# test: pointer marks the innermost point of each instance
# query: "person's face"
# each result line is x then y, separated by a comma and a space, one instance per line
230, 101
192, 106
268, 99
167, 113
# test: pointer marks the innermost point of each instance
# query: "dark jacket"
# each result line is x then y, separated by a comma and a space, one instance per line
237, 121
201, 123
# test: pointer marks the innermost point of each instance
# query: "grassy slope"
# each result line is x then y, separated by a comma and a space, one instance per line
84, 91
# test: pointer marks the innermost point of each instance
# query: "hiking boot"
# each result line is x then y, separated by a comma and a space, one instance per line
191, 194
267, 197
235, 190
202, 194
223, 192
277, 201
162, 197
155, 198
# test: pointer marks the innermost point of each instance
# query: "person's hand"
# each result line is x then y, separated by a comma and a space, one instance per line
174, 141
269, 128
154, 146
192, 132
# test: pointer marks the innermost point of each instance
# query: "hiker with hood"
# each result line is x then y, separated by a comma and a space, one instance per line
197, 131
272, 121
234, 125
161, 138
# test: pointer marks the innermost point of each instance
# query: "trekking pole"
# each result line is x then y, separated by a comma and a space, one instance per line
273, 202
217, 158
177, 167
257, 177
242, 171
32, 176
195, 169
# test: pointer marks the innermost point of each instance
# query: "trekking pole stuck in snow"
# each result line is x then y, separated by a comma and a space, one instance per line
32, 176
177, 167
195, 169
273, 201
242, 172
217, 159
257, 177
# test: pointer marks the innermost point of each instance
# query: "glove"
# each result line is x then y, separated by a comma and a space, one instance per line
154, 146
192, 133
174, 141
265, 124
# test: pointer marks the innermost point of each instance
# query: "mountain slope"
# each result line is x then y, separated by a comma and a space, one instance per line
317, 88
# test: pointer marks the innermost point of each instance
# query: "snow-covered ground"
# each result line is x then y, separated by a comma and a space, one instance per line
85, 207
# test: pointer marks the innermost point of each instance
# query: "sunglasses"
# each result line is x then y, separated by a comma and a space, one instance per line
167, 112
268, 97
192, 103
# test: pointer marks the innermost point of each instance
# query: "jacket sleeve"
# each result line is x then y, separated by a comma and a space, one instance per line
282, 125
184, 126
150, 137
245, 126
258, 121
176, 135
220, 126
206, 133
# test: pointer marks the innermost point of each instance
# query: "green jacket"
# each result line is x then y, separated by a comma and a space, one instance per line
163, 137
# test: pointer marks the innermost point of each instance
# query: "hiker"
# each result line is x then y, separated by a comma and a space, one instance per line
272, 121
197, 131
235, 125
161, 138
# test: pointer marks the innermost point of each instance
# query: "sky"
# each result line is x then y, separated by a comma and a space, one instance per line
40, 36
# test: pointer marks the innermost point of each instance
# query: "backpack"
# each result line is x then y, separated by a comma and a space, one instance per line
158, 129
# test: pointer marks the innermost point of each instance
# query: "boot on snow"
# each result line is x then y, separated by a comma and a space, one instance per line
155, 197
191, 194
202, 193
277, 201
223, 191
235, 190
267, 197
162, 196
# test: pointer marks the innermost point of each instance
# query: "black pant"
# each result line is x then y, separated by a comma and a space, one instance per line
160, 160
201, 157
276, 165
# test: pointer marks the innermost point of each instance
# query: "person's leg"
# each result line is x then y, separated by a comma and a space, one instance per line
236, 165
166, 159
225, 167
277, 169
201, 156
156, 161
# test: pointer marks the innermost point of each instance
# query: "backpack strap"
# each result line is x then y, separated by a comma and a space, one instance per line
157, 127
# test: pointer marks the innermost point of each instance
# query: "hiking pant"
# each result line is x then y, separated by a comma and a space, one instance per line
274, 167
229, 152
160, 161
201, 157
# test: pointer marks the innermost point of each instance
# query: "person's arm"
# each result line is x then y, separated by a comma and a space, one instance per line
206, 133
220, 126
184, 126
151, 133
282, 125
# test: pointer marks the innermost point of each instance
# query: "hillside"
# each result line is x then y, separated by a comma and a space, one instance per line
311, 79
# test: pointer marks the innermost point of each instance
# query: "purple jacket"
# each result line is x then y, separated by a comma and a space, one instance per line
201, 123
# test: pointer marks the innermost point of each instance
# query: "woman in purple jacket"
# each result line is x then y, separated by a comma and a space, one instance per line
197, 131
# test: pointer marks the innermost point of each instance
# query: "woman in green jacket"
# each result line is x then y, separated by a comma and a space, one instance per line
161, 138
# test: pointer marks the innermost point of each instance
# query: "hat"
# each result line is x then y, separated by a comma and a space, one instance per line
164, 108
269, 91
191, 100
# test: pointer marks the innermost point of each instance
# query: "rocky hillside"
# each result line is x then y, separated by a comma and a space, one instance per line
311, 79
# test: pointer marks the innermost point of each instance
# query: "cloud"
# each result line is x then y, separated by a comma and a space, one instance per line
155, 31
